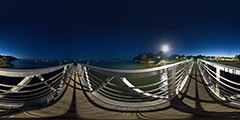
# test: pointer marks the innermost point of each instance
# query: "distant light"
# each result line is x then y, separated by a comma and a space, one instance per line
165, 48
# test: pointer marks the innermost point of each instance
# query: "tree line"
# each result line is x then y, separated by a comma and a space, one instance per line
7, 58
150, 56
161, 56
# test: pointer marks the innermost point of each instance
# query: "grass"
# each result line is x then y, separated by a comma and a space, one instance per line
229, 63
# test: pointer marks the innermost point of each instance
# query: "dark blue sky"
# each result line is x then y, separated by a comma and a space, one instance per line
118, 29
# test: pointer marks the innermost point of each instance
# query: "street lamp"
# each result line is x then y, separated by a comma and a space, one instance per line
165, 48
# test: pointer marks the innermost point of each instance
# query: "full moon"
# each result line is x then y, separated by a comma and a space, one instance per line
165, 48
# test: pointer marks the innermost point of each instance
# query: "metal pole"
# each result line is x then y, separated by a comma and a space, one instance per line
171, 82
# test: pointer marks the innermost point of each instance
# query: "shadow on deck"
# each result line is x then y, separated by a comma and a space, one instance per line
195, 101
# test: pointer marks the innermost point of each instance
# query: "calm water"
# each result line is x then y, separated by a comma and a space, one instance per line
32, 64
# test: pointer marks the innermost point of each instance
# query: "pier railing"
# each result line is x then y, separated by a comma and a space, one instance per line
135, 88
222, 80
32, 87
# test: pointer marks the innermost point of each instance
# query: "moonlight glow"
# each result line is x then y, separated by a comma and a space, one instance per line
165, 48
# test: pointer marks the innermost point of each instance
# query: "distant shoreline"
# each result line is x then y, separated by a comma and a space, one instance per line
5, 61
6, 64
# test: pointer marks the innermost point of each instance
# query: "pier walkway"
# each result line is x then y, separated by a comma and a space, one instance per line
194, 101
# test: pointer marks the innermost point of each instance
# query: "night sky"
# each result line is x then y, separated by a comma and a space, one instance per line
118, 29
